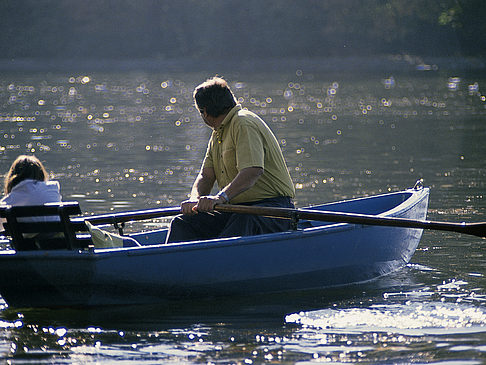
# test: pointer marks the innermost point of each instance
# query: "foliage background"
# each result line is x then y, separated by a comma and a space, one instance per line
239, 30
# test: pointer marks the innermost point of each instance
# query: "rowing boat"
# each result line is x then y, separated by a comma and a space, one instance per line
315, 254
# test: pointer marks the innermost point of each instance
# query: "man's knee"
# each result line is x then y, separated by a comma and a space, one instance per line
179, 230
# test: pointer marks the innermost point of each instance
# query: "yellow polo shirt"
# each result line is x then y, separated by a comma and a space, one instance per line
244, 140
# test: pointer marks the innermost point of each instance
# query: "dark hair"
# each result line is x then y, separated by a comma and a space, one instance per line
24, 167
215, 96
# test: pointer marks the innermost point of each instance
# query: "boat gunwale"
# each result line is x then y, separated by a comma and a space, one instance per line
414, 198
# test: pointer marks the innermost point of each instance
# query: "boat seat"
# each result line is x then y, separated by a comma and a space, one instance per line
45, 227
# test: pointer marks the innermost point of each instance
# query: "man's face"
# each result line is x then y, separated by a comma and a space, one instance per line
205, 116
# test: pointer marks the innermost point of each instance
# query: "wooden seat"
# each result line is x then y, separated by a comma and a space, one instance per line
45, 227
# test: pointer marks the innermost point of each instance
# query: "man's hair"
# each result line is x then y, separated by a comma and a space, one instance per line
24, 167
215, 96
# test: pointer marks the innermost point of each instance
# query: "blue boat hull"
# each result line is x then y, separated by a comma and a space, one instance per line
315, 256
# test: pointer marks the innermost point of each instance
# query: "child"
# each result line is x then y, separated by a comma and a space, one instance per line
27, 183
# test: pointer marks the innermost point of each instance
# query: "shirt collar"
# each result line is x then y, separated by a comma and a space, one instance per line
219, 131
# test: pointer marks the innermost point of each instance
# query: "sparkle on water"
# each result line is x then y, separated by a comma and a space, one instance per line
411, 318
134, 140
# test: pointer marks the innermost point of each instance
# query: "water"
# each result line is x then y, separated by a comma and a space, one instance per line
122, 141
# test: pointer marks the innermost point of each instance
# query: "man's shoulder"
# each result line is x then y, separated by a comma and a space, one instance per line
246, 117
245, 113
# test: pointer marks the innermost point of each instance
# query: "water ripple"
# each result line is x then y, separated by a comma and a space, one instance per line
410, 318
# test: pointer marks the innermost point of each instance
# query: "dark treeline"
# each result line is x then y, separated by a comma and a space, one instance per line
215, 29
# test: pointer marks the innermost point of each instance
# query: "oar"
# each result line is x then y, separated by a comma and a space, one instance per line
475, 229
123, 217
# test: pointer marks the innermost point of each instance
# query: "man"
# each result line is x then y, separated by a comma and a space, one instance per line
245, 159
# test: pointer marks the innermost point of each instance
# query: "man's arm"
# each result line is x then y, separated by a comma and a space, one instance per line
243, 181
204, 183
202, 186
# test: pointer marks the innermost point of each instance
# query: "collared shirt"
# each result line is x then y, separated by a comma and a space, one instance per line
244, 140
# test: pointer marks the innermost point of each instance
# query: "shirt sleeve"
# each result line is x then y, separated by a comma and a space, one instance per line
249, 148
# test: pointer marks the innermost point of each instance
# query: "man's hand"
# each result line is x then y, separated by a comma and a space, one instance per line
187, 207
243, 181
207, 203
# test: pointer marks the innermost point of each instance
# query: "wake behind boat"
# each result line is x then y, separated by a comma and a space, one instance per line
315, 254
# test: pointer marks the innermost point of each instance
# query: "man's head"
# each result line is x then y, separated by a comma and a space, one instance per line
214, 97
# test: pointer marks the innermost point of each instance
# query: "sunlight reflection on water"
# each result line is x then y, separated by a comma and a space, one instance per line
114, 122
410, 318
134, 140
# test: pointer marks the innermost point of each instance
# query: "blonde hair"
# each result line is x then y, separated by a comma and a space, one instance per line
24, 167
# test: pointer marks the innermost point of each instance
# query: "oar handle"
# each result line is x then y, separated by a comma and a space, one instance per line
272, 212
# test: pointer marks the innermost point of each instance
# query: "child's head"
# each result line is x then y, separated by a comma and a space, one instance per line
24, 167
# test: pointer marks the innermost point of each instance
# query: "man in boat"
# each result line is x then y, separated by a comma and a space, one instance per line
244, 158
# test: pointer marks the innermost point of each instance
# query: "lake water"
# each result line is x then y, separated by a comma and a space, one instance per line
132, 140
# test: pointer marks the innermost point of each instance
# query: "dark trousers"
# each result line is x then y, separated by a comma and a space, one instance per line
205, 226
